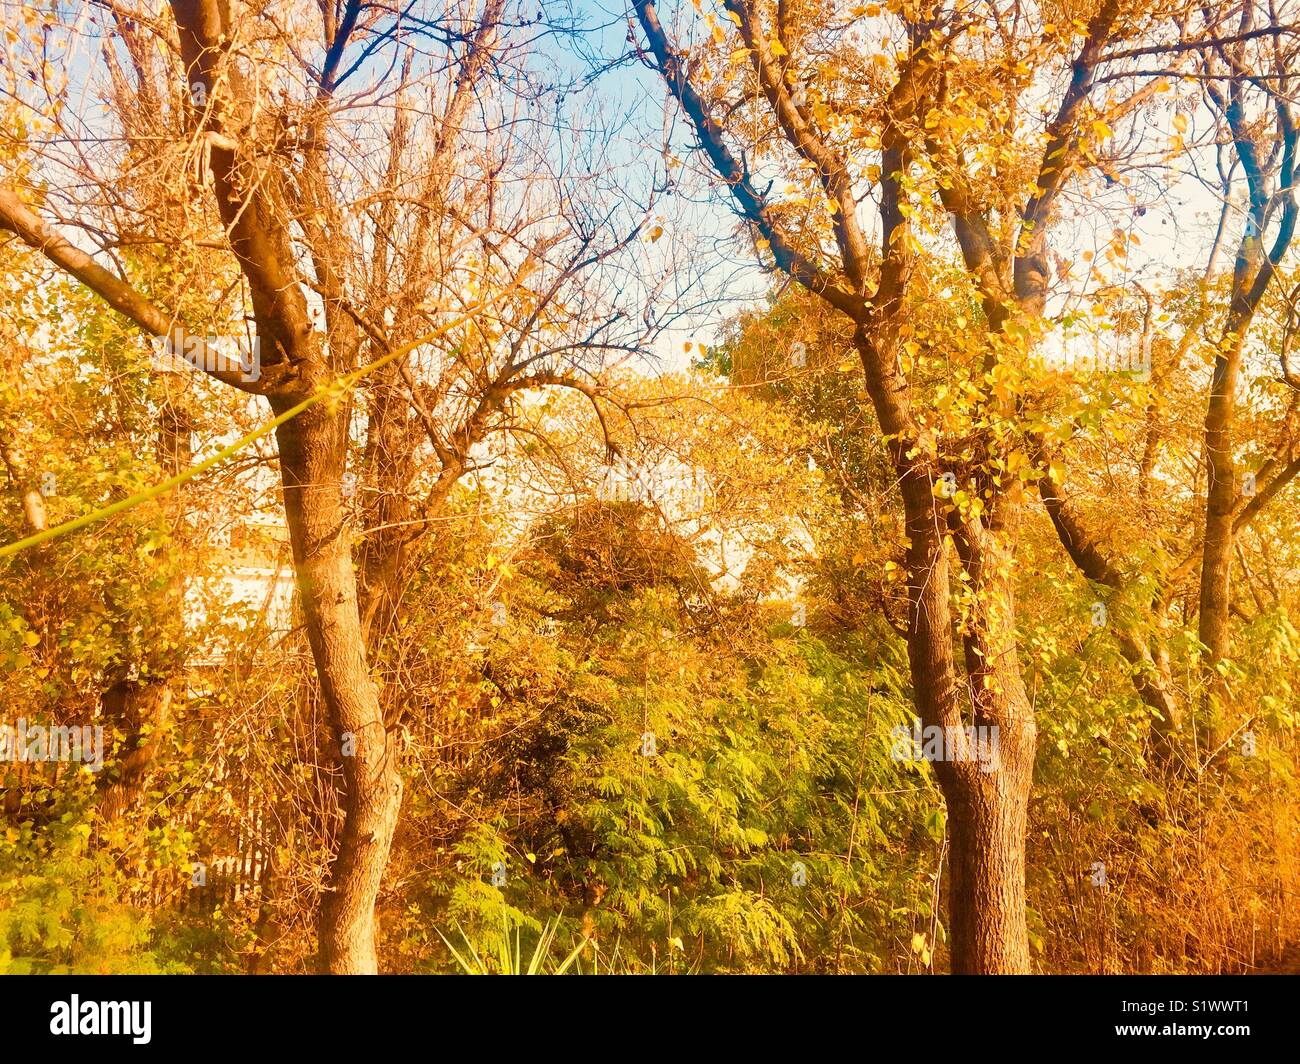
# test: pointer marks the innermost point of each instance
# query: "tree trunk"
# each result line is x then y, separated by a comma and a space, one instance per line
141, 710
390, 458
987, 810
1213, 622
312, 452
987, 806
988, 797
986, 907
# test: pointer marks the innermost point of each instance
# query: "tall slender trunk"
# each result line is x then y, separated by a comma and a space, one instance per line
1213, 621
390, 464
312, 452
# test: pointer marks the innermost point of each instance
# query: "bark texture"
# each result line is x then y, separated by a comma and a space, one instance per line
312, 449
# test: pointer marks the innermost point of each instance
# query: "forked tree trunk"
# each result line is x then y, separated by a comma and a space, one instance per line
987, 807
988, 796
312, 450
987, 810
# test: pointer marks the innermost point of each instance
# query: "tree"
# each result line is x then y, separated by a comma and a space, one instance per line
1242, 64
348, 267
996, 115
